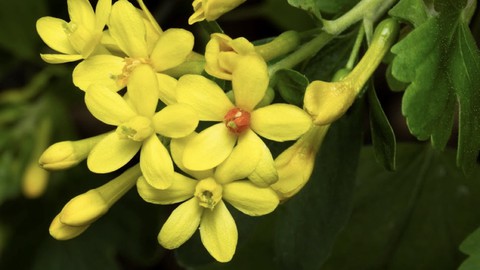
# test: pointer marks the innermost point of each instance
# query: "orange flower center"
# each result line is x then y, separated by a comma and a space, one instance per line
237, 120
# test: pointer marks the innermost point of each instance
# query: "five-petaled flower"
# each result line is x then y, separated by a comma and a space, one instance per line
137, 127
234, 140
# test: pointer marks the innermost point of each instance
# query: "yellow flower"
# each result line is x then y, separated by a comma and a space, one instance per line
137, 126
240, 122
80, 37
222, 54
295, 164
81, 211
127, 30
211, 10
203, 206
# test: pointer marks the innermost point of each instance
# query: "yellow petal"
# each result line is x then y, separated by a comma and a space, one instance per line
219, 233
250, 81
243, 159
177, 148
249, 198
167, 88
175, 121
60, 58
127, 28
265, 173
215, 9
111, 154
107, 106
99, 69
102, 13
52, 31
156, 164
242, 46
280, 122
205, 96
143, 90
181, 224
218, 44
81, 13
84, 209
61, 231
210, 148
171, 49
182, 188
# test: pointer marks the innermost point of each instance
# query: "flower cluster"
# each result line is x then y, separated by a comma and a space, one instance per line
213, 137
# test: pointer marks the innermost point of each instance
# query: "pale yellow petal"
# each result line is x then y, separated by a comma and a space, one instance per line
156, 164
111, 153
265, 173
218, 232
167, 88
175, 121
143, 90
215, 9
99, 69
127, 28
181, 224
102, 13
249, 198
243, 159
81, 13
182, 188
250, 81
280, 122
107, 106
177, 148
60, 58
210, 148
171, 49
205, 96
52, 31
217, 45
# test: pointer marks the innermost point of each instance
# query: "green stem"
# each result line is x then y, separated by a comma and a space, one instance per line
309, 49
371, 9
281, 45
356, 48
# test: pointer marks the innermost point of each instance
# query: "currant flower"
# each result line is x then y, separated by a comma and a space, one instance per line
211, 10
127, 28
79, 38
235, 137
202, 205
137, 127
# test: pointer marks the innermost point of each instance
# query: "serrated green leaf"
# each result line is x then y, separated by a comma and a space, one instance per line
442, 62
471, 247
413, 218
307, 224
383, 137
413, 11
291, 85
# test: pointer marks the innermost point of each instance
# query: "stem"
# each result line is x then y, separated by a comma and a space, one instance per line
281, 45
307, 50
364, 9
356, 48
113, 190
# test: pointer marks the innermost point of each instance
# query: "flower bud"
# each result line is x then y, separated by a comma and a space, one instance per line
35, 180
211, 10
66, 154
61, 231
295, 164
88, 207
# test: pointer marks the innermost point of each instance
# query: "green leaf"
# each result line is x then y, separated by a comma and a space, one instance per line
18, 34
413, 218
413, 11
471, 246
307, 224
291, 85
318, 6
383, 137
442, 62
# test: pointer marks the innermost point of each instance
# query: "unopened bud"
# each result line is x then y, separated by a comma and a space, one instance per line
61, 231
35, 180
